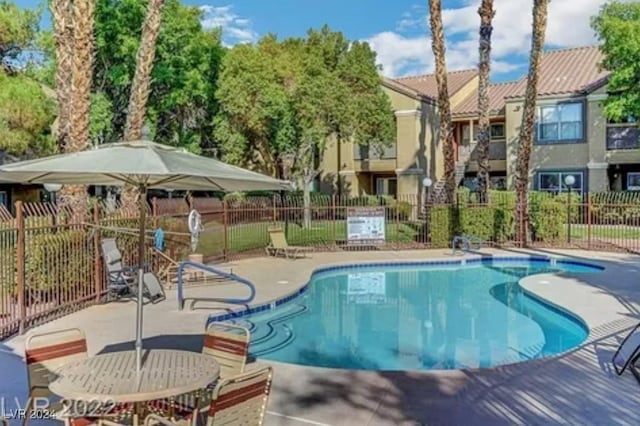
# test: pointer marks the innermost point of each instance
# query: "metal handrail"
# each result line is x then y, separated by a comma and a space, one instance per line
226, 275
466, 242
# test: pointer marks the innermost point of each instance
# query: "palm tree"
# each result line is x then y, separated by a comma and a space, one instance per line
141, 86
540, 8
486, 13
63, 38
81, 76
444, 106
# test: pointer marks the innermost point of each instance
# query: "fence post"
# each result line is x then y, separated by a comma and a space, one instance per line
588, 221
20, 265
225, 228
97, 263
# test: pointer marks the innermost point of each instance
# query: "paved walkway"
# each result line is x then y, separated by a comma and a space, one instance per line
577, 388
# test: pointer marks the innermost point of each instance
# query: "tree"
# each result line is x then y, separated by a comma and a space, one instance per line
141, 85
18, 28
486, 13
255, 123
618, 28
288, 100
540, 8
81, 81
183, 79
444, 106
63, 42
339, 96
26, 116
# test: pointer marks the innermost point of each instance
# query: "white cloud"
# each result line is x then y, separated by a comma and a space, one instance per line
401, 54
235, 29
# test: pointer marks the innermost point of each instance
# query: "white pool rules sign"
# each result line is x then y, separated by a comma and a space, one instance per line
365, 225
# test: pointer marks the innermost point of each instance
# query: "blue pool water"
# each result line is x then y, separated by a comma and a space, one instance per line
420, 317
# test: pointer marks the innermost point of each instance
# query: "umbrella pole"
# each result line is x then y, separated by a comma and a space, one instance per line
143, 213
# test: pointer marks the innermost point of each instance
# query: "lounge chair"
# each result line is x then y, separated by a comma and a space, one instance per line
121, 279
279, 245
628, 353
152, 287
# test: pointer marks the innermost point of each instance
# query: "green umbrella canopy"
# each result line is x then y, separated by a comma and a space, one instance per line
140, 163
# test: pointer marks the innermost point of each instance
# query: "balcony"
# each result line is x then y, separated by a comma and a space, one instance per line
623, 136
375, 158
497, 151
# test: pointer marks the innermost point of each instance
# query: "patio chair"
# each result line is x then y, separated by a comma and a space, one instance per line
280, 246
45, 353
121, 279
241, 400
628, 353
228, 344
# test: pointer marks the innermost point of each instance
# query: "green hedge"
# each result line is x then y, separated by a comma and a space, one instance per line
547, 216
59, 260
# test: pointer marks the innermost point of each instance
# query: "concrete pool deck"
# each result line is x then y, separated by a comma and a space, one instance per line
578, 387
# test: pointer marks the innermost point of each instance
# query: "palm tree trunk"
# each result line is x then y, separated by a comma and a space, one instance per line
141, 87
63, 38
444, 106
486, 13
540, 8
81, 77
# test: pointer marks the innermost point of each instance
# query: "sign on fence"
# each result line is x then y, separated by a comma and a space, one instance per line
365, 225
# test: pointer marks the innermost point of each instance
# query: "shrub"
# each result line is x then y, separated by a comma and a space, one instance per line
61, 260
547, 219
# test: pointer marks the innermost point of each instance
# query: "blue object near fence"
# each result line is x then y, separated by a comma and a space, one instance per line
159, 239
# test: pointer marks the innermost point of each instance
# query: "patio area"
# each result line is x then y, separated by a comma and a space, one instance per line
578, 387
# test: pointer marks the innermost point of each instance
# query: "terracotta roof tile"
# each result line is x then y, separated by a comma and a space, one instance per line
497, 93
571, 71
426, 84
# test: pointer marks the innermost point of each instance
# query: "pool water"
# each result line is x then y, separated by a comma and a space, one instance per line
418, 317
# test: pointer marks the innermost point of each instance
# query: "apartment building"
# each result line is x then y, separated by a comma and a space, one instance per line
572, 136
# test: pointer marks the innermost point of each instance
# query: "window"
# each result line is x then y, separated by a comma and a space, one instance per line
633, 181
554, 181
466, 137
560, 123
497, 132
386, 186
4, 199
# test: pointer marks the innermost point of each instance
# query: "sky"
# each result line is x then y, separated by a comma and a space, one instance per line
398, 30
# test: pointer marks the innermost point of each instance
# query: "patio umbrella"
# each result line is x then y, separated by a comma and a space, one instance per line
145, 165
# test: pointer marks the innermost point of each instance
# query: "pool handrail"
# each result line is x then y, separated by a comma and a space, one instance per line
206, 268
466, 242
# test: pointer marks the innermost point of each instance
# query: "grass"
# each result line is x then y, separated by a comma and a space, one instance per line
605, 231
251, 236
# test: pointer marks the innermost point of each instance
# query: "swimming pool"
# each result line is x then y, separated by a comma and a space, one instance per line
418, 317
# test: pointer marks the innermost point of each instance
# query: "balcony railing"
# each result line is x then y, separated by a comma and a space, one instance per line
623, 136
366, 152
497, 151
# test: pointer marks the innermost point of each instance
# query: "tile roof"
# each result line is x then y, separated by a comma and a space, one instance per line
497, 93
571, 71
426, 84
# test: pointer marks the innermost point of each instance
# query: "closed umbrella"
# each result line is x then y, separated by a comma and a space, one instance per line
143, 164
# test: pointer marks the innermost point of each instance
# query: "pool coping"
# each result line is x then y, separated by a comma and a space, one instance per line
467, 259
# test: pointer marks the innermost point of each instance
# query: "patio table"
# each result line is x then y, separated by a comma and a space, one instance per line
112, 379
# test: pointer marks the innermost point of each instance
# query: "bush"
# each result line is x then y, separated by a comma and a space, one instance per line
61, 260
547, 217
